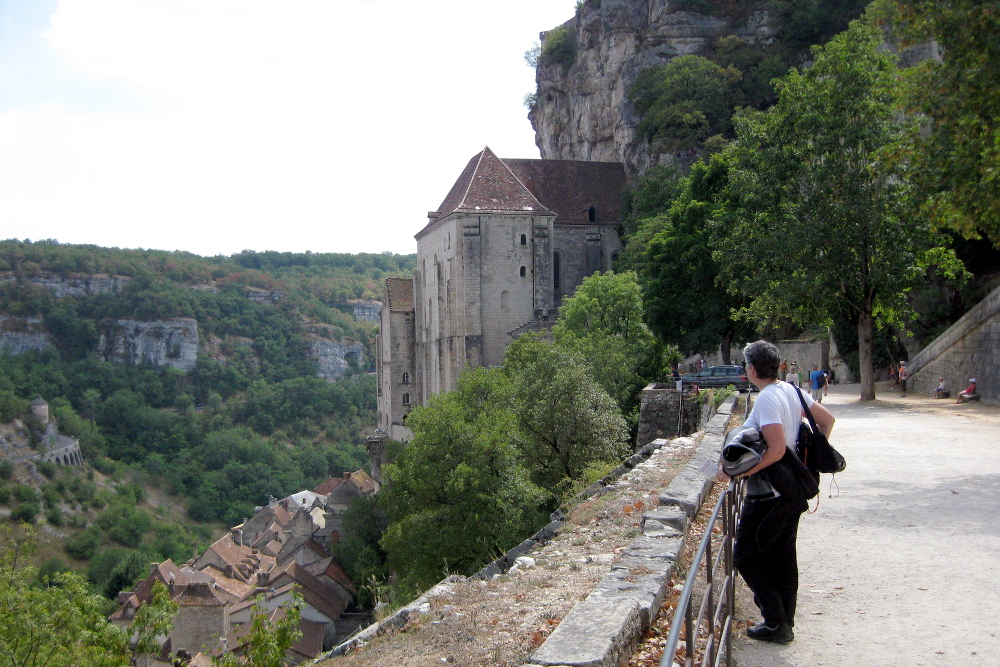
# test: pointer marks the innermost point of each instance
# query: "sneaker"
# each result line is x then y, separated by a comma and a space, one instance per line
780, 634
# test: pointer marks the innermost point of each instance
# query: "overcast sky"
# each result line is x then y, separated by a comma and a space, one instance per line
215, 126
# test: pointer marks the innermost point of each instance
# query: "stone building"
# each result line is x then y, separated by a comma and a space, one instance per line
509, 241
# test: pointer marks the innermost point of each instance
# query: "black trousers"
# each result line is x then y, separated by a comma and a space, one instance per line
764, 554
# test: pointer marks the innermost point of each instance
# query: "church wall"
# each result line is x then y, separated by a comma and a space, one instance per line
439, 318
508, 298
397, 388
584, 249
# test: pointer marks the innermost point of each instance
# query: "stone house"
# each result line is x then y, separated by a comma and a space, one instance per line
511, 239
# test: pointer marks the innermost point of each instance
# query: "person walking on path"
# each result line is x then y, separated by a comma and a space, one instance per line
764, 553
903, 377
817, 383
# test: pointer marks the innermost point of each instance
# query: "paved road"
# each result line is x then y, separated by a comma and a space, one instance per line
903, 567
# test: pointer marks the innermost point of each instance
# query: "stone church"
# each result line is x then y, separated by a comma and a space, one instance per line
511, 239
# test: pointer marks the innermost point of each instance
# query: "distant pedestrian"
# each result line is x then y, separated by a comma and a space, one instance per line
903, 377
792, 377
892, 374
783, 368
817, 383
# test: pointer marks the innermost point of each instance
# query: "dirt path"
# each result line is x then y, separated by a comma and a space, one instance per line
901, 568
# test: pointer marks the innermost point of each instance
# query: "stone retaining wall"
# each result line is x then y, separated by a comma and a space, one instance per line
970, 348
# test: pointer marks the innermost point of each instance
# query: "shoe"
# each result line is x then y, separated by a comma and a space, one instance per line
780, 634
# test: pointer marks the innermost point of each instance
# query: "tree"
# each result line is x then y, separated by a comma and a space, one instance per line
685, 102
954, 153
58, 623
602, 322
568, 422
819, 225
153, 620
457, 497
685, 304
270, 636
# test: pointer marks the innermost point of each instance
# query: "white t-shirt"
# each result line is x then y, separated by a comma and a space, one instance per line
776, 403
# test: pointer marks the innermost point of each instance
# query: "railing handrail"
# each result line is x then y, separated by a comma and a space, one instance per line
728, 505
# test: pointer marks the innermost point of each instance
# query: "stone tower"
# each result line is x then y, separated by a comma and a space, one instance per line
509, 241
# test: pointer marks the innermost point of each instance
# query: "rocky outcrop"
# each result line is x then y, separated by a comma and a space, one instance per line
23, 334
581, 112
171, 342
83, 285
332, 356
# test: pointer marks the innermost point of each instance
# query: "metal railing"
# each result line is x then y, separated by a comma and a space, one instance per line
716, 610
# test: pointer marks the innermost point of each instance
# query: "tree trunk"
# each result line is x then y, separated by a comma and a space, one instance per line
724, 349
865, 355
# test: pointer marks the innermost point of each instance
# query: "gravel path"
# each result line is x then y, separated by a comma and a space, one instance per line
902, 567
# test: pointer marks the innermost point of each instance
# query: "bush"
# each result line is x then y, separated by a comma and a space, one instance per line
83, 546
26, 512
47, 468
24, 494
6, 469
559, 47
54, 516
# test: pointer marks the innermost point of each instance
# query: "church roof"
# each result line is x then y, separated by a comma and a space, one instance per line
567, 188
570, 187
489, 186
399, 296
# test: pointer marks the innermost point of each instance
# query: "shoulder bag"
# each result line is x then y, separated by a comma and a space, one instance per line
813, 448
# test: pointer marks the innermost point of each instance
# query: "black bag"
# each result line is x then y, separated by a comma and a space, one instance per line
814, 450
791, 479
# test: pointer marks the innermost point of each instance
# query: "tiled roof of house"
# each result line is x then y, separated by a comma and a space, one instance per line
335, 572
200, 595
570, 187
236, 589
399, 296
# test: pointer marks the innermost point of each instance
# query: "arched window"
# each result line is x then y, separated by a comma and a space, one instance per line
406, 378
524, 271
556, 262
406, 399
592, 214
505, 300
614, 259
524, 239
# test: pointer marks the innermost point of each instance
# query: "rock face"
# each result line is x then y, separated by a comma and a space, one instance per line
22, 334
332, 356
86, 285
171, 342
582, 112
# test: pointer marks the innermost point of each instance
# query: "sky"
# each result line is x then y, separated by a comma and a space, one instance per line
215, 126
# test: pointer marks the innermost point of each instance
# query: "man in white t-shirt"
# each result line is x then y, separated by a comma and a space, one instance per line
765, 538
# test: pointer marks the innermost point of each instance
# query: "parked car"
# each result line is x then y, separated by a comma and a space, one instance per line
719, 376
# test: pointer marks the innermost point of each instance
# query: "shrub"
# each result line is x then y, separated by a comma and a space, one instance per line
54, 516
47, 468
26, 512
6, 469
559, 47
83, 546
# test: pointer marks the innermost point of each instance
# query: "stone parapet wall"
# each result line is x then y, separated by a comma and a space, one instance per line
970, 348
658, 413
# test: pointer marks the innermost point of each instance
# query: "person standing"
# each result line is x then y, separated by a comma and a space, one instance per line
792, 377
817, 382
903, 377
765, 553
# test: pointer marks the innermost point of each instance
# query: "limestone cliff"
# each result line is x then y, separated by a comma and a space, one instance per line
171, 342
581, 111
78, 285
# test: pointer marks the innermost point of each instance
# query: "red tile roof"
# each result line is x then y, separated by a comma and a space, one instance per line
566, 188
399, 296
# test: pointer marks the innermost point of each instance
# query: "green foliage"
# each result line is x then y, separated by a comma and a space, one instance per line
359, 551
56, 623
458, 484
268, 641
955, 155
567, 420
684, 102
602, 323
685, 305
154, 619
819, 227
6, 469
558, 47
